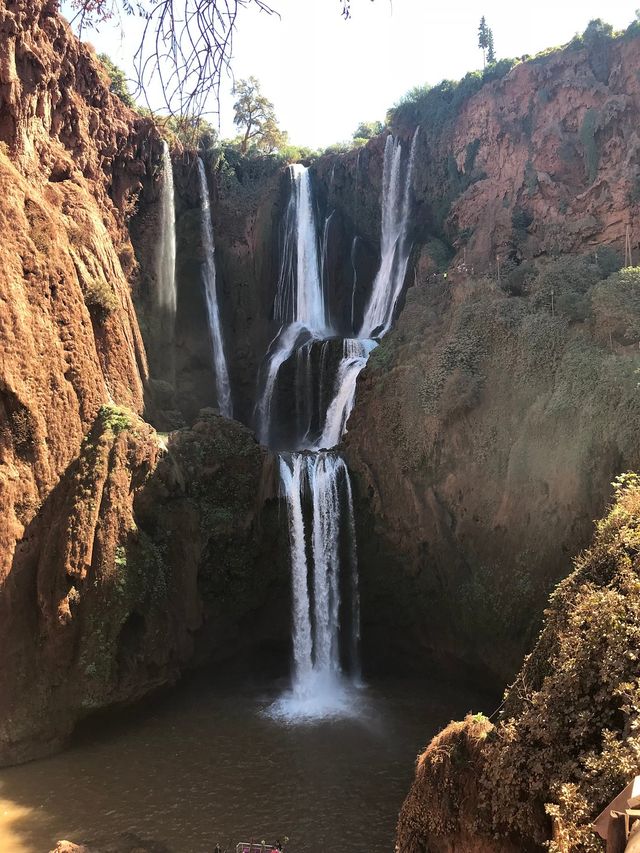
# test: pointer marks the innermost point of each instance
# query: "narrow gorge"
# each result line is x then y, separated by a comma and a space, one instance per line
294, 454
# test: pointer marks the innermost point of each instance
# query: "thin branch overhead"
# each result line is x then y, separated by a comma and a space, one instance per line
186, 47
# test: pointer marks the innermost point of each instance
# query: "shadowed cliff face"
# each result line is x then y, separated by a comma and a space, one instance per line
565, 743
144, 559
120, 562
487, 430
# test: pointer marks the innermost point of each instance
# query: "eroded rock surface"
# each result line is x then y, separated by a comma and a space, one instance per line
487, 430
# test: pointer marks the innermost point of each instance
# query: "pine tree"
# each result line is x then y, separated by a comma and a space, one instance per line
491, 52
483, 39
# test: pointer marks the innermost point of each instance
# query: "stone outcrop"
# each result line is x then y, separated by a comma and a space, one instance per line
70, 159
545, 160
125, 557
566, 740
487, 430
142, 560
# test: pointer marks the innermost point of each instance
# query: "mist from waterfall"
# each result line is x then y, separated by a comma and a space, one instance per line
166, 257
394, 245
223, 388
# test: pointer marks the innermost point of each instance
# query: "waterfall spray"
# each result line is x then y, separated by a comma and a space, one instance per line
223, 387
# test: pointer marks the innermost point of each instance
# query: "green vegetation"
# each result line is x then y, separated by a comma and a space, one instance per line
117, 80
188, 132
567, 740
616, 306
115, 418
485, 43
367, 130
434, 106
100, 296
255, 117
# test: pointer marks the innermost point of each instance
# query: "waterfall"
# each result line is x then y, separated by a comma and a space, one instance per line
354, 357
394, 246
314, 478
324, 276
300, 295
319, 688
299, 303
352, 258
291, 479
166, 257
223, 388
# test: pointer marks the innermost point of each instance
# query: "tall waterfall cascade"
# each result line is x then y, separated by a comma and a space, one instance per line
314, 477
394, 245
223, 387
166, 257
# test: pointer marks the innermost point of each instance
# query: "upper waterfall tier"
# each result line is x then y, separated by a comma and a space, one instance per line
300, 296
395, 247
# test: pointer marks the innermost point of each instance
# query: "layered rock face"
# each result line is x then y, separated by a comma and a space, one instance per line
545, 160
122, 560
70, 157
143, 559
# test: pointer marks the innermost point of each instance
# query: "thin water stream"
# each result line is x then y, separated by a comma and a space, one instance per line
207, 765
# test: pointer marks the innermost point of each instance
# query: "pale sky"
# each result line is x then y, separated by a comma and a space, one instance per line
325, 75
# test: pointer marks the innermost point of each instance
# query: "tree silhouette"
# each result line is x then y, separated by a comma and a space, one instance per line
491, 52
256, 114
485, 41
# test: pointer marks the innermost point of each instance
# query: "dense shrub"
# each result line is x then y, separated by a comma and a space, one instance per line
434, 106
616, 305
568, 737
117, 80
562, 287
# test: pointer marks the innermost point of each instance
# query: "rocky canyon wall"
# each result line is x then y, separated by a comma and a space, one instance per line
125, 556
490, 423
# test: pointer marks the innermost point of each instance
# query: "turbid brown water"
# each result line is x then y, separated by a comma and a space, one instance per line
206, 765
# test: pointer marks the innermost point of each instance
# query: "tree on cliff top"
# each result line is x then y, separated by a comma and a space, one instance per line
485, 42
117, 80
368, 129
255, 116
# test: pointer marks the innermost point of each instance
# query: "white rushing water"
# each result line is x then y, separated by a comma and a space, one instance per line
355, 354
166, 257
319, 688
223, 388
299, 303
300, 294
316, 483
394, 246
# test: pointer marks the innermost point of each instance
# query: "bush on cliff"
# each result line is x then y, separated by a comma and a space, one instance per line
568, 738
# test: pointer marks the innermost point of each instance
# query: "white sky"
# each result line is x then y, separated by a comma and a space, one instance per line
325, 75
